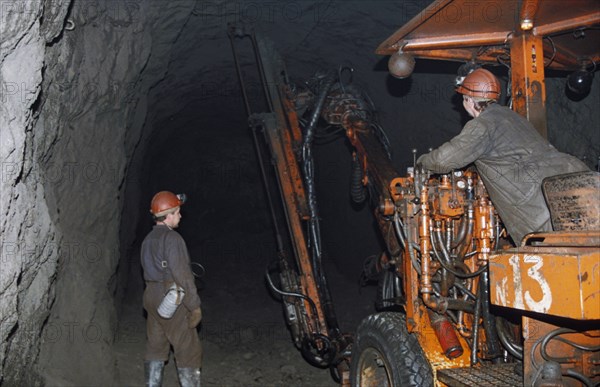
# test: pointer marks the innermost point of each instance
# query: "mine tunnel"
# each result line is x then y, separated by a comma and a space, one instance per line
105, 103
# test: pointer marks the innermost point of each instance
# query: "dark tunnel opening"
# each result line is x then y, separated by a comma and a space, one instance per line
206, 151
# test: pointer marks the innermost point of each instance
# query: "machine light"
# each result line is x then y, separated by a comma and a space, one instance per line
401, 64
580, 81
526, 24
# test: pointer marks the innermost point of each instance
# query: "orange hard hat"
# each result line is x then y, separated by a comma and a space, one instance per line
480, 83
165, 202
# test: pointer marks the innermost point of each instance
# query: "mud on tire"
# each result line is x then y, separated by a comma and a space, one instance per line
385, 354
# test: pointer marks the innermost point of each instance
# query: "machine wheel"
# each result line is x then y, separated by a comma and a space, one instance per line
386, 355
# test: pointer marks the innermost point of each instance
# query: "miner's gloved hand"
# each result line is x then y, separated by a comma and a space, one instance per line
195, 318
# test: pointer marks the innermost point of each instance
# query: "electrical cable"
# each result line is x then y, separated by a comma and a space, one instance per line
553, 51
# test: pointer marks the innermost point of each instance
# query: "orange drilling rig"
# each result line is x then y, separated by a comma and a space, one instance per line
454, 307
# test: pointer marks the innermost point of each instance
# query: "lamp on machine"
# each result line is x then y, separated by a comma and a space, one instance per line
401, 64
580, 81
529, 8
526, 24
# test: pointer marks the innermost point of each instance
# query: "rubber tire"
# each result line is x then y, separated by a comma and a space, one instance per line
384, 336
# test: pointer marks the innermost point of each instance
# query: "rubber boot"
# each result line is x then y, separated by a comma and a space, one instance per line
189, 377
153, 371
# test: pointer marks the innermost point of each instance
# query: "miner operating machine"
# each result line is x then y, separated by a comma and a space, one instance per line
454, 306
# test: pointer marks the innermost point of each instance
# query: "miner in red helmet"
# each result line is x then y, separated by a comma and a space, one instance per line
511, 157
166, 265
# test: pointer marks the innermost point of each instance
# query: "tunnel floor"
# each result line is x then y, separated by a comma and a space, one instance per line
245, 339
227, 228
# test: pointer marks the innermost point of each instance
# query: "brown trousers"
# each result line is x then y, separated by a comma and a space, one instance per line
162, 333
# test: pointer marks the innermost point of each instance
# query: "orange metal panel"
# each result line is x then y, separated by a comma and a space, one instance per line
557, 281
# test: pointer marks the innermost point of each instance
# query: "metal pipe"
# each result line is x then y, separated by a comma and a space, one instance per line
261, 71
476, 316
263, 173
239, 72
424, 219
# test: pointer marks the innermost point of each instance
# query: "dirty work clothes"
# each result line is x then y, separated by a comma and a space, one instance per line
162, 241
162, 333
512, 159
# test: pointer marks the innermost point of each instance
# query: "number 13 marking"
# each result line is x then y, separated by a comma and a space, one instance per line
541, 306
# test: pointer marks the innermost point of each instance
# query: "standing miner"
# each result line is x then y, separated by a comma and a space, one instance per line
511, 157
166, 262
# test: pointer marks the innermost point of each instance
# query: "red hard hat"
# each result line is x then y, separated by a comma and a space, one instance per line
480, 83
164, 202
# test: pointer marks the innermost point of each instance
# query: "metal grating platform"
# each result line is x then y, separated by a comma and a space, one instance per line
499, 375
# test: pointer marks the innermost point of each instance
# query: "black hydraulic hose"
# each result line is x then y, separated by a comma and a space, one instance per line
569, 372
405, 240
464, 289
469, 234
489, 322
308, 168
399, 231
314, 233
579, 376
437, 234
358, 193
556, 332
446, 264
462, 233
290, 294
515, 350
326, 354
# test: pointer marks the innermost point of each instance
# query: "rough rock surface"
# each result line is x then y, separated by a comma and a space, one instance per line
91, 91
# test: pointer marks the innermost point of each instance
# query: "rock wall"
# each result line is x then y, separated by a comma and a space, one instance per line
75, 77
29, 236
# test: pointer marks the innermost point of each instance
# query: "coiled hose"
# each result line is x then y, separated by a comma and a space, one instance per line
358, 192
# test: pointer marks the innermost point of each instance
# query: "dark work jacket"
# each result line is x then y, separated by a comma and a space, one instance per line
512, 159
162, 240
